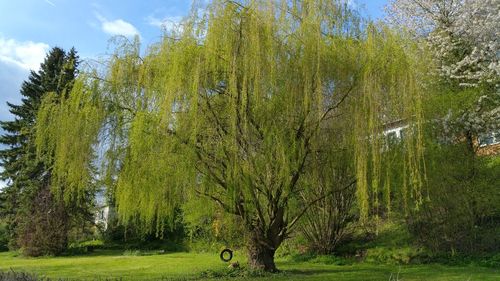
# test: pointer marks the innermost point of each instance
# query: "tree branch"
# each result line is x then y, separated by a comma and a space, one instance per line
309, 204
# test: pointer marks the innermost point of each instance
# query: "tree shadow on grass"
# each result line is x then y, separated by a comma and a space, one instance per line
344, 273
337, 270
94, 253
122, 252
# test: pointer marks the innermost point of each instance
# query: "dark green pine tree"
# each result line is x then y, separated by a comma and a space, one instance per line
26, 196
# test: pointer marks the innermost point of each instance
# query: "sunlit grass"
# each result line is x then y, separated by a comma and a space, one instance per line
107, 264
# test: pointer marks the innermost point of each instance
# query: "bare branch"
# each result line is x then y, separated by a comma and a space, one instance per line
308, 205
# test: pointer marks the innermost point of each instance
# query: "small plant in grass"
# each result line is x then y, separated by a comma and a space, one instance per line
405, 255
133, 253
237, 272
23, 276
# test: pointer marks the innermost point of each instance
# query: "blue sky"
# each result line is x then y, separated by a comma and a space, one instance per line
28, 28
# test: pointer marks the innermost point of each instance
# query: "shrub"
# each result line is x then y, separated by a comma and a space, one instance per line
406, 255
4, 237
331, 218
78, 248
493, 261
463, 213
210, 230
44, 227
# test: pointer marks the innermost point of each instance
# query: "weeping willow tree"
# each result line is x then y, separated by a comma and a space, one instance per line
234, 108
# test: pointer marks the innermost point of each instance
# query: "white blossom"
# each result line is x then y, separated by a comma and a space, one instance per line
463, 35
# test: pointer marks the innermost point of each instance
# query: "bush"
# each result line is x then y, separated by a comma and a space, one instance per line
4, 237
406, 255
44, 227
133, 236
210, 229
463, 213
330, 219
493, 261
84, 247
387, 242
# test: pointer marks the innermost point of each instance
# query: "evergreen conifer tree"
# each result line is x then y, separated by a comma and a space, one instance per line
28, 176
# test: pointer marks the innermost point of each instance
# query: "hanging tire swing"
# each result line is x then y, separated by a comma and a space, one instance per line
226, 255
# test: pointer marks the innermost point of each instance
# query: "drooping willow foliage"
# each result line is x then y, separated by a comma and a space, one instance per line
67, 131
234, 106
389, 93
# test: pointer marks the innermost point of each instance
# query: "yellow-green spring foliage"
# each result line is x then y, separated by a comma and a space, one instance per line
67, 131
232, 106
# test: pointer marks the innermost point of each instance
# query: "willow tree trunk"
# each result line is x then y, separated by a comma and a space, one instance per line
261, 253
265, 239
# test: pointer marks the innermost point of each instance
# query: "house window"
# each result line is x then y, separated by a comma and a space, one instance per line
489, 139
392, 138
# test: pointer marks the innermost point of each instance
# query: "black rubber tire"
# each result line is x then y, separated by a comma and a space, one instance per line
230, 255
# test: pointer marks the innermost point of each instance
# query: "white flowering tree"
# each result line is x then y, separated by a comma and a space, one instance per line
463, 35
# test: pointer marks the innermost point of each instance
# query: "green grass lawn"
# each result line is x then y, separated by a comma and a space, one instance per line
188, 266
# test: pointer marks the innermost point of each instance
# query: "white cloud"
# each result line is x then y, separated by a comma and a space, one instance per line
353, 4
117, 27
167, 23
27, 54
50, 3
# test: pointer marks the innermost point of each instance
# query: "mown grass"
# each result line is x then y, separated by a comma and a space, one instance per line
110, 265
